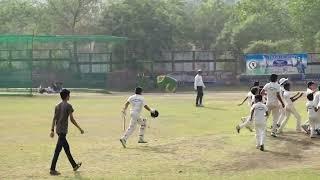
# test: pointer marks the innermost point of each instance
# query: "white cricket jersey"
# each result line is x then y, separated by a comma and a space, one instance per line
137, 103
310, 107
309, 91
287, 98
259, 114
198, 81
250, 97
316, 98
272, 89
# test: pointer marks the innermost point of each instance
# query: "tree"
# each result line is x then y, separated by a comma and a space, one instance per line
17, 17
305, 19
254, 20
152, 25
71, 16
209, 20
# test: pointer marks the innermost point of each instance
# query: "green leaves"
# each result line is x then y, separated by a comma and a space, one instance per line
157, 25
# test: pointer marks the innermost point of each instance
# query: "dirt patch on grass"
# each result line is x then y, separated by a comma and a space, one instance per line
290, 150
287, 151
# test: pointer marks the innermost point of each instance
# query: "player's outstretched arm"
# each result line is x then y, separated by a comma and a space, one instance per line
251, 116
75, 123
243, 101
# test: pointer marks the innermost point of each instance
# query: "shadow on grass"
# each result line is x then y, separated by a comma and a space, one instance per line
297, 139
284, 154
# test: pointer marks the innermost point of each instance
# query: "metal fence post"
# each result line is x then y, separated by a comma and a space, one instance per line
194, 60
111, 61
90, 62
173, 68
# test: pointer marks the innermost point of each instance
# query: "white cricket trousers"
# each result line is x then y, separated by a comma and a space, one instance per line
135, 119
260, 127
291, 110
274, 109
313, 123
282, 115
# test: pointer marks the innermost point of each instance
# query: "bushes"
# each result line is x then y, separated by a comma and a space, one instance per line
282, 46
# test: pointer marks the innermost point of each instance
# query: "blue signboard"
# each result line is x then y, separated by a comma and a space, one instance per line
264, 64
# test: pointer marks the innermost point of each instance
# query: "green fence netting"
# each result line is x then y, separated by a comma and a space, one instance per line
61, 38
24, 67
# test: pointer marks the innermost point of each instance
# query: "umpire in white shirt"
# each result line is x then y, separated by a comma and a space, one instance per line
199, 86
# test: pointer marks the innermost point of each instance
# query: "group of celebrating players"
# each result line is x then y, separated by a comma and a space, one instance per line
276, 98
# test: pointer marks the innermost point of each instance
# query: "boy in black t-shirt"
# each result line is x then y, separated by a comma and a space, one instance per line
60, 120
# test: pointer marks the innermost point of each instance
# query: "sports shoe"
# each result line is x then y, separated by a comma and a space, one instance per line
257, 146
318, 131
238, 128
273, 134
262, 147
54, 173
142, 141
313, 136
123, 142
77, 166
201, 105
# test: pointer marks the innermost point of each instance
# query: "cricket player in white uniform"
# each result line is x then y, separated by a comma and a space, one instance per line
249, 95
311, 89
316, 96
246, 120
282, 81
137, 103
289, 99
316, 101
199, 86
312, 113
259, 112
272, 90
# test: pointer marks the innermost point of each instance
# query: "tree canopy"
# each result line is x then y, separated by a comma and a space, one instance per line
155, 25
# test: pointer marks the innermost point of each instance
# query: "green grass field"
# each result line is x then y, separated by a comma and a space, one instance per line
184, 142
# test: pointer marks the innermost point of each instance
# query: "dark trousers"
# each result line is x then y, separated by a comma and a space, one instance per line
62, 142
199, 95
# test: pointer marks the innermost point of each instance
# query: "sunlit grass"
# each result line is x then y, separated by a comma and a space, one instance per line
184, 142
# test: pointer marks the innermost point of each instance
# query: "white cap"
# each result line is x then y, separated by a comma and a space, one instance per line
199, 70
283, 80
